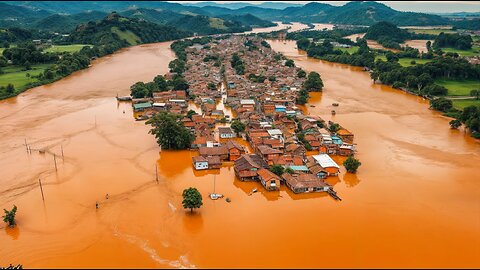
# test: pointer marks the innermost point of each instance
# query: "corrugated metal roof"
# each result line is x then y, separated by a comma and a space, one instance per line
325, 161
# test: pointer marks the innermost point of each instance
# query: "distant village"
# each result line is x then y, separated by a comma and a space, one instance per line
275, 128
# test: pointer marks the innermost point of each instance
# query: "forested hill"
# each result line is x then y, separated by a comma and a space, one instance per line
206, 25
386, 30
117, 31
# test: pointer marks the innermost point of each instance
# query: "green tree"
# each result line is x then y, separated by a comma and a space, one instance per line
277, 169
454, 124
211, 86
10, 88
351, 164
169, 131
191, 113
161, 83
289, 170
237, 126
314, 82
9, 216
333, 127
475, 93
429, 46
289, 63
441, 104
139, 90
301, 73
191, 199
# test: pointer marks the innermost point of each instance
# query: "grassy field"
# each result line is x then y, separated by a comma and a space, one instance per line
462, 103
405, 62
128, 35
16, 76
66, 48
217, 23
350, 50
475, 50
457, 87
432, 31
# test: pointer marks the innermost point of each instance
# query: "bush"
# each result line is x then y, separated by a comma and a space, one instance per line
351, 164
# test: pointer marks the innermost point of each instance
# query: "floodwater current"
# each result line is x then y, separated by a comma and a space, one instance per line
414, 202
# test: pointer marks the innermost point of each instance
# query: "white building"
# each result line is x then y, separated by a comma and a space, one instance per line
200, 163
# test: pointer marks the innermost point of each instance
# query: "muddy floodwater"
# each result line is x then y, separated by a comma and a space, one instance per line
414, 202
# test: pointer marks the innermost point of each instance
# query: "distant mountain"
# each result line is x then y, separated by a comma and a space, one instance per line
11, 15
205, 25
66, 23
357, 13
153, 15
237, 5
72, 7
248, 20
117, 31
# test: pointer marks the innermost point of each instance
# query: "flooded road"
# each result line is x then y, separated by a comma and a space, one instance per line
414, 202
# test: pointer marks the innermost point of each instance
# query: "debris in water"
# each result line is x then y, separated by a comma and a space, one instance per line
228, 200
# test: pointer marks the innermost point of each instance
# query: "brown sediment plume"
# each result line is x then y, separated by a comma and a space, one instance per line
413, 203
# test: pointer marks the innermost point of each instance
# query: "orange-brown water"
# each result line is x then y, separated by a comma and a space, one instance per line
414, 202
371, 43
420, 44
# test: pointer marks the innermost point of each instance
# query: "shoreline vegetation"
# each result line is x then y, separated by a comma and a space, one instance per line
87, 42
447, 79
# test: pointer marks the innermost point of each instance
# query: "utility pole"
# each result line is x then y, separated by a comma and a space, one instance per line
55, 160
26, 145
41, 189
156, 172
63, 157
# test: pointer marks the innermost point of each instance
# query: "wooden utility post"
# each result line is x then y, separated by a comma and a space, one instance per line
156, 172
55, 160
41, 189
63, 157
26, 145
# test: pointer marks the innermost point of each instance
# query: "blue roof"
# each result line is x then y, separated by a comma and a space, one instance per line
336, 140
299, 168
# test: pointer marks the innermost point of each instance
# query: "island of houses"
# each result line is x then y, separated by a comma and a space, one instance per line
262, 98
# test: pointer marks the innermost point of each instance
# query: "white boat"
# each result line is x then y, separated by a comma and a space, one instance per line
253, 191
215, 196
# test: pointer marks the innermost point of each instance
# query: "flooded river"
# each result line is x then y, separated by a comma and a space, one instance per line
414, 202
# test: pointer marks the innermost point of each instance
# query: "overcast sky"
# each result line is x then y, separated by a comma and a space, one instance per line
416, 6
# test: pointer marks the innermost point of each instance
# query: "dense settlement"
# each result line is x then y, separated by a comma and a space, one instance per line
259, 89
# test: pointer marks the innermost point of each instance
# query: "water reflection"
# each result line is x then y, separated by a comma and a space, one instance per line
351, 179
193, 221
14, 232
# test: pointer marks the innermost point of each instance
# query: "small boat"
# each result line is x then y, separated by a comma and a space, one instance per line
253, 191
215, 196
124, 98
333, 112
312, 106
141, 118
335, 104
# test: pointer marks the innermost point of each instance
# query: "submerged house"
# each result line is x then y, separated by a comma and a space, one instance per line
327, 164
226, 133
269, 180
247, 166
221, 152
235, 150
304, 183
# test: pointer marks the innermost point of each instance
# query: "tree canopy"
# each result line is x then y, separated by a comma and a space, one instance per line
313, 83
169, 131
191, 199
